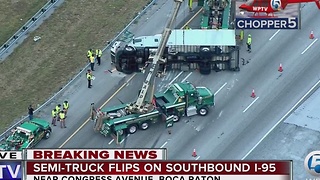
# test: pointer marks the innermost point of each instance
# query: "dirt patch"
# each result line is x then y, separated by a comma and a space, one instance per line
36, 70
15, 13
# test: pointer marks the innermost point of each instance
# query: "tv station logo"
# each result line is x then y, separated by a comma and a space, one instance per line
267, 14
10, 165
312, 163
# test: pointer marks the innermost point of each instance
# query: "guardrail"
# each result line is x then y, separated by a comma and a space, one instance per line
24, 29
3, 135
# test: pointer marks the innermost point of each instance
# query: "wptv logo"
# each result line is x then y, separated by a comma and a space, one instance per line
10, 165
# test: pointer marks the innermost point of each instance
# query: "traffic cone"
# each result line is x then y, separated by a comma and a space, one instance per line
311, 35
280, 68
194, 154
253, 95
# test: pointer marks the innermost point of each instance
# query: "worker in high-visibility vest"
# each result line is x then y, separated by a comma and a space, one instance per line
190, 5
241, 34
62, 117
91, 59
58, 109
99, 54
249, 41
54, 116
65, 106
89, 53
89, 78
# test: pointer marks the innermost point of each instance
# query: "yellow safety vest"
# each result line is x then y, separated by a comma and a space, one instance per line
249, 41
89, 53
99, 52
57, 108
62, 115
53, 113
91, 59
66, 105
89, 77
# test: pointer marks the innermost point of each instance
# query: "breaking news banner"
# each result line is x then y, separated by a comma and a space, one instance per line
10, 165
158, 170
96, 154
266, 15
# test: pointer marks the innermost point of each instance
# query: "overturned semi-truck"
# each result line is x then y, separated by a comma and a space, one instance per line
205, 50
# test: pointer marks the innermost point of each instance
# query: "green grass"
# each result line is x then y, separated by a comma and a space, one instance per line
14, 14
36, 70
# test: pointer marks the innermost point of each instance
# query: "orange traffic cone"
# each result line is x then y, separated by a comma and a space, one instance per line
280, 68
253, 95
194, 154
311, 35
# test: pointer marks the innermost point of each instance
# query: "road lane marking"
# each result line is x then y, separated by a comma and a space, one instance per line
164, 144
75, 132
111, 141
274, 35
124, 139
186, 77
309, 46
283, 117
175, 78
89, 119
220, 88
194, 16
250, 105
198, 158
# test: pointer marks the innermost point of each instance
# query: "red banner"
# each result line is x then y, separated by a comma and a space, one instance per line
158, 168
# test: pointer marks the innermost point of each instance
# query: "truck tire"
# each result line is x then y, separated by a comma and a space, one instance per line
47, 134
144, 125
176, 118
132, 129
203, 111
129, 50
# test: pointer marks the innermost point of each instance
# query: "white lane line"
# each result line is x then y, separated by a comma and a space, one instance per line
124, 138
283, 117
186, 77
111, 141
164, 144
274, 35
175, 78
309, 46
250, 105
220, 88
198, 158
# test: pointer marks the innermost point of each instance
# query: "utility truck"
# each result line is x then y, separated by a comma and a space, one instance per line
27, 135
180, 99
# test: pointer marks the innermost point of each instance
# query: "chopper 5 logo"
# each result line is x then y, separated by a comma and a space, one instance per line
275, 5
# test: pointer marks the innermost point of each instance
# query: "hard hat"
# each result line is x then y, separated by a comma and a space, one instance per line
249, 35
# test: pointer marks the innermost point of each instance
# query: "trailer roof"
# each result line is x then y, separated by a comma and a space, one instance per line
196, 37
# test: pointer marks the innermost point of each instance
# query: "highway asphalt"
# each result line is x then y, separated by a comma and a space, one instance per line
236, 123
106, 84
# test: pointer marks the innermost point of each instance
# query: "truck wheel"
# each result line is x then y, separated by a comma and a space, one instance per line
132, 129
47, 135
176, 118
203, 111
144, 126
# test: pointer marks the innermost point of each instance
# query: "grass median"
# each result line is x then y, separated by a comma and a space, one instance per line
15, 13
36, 70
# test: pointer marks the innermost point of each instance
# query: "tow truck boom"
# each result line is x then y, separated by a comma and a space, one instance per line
140, 105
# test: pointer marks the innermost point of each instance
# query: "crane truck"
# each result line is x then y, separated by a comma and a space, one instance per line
179, 99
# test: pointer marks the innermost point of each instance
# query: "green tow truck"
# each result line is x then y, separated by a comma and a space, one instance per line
27, 135
180, 99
